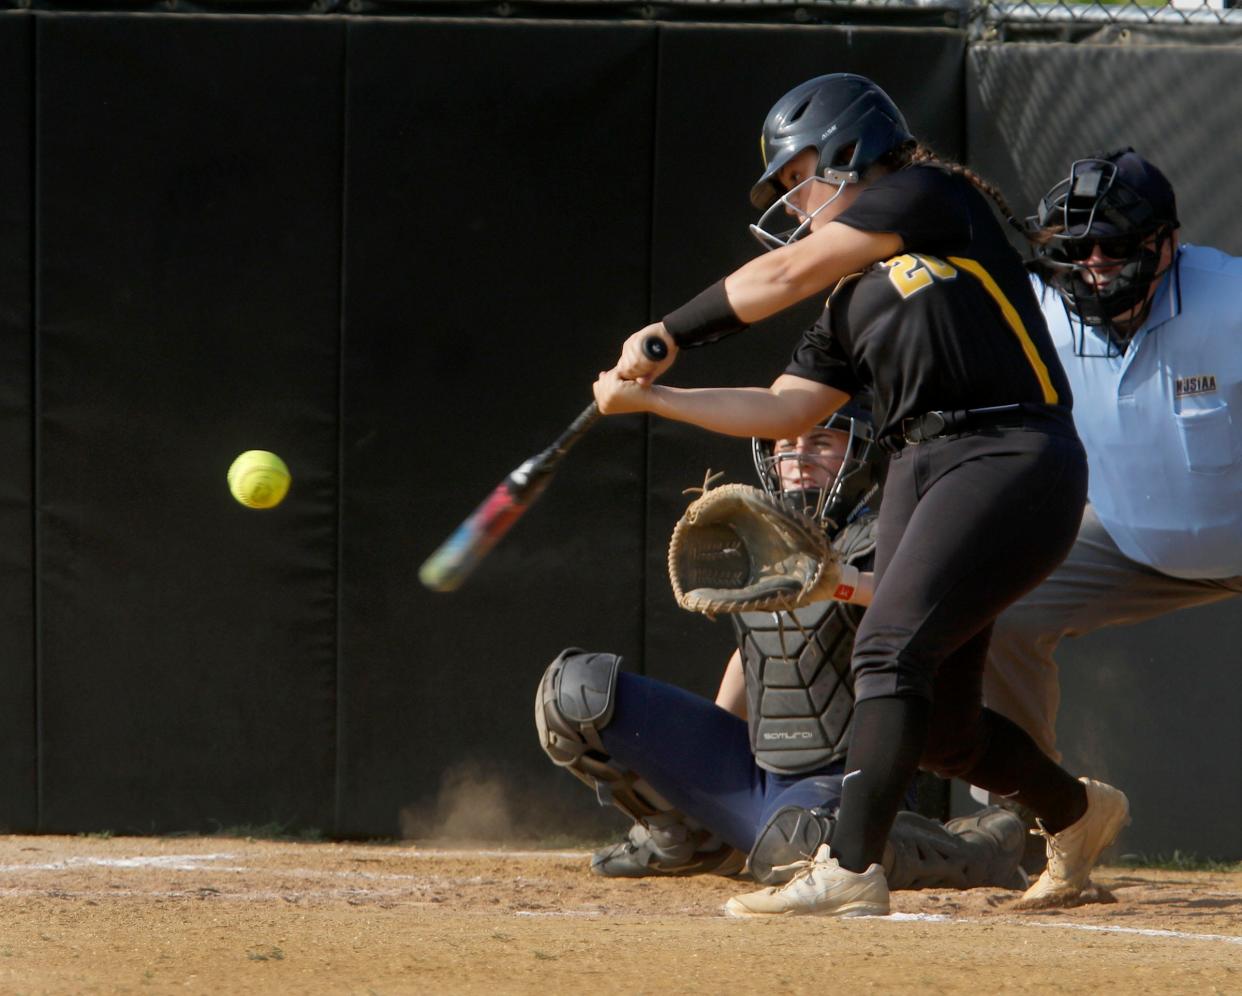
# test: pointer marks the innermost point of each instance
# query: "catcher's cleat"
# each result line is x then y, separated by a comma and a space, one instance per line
971, 852
641, 856
1073, 852
625, 859
821, 887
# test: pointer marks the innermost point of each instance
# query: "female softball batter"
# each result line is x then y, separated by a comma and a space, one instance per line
932, 311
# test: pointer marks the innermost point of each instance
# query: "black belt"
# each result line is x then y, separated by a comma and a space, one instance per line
933, 425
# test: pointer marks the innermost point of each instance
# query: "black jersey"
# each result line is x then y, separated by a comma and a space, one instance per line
951, 324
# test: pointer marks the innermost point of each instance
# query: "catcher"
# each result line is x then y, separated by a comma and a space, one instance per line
707, 791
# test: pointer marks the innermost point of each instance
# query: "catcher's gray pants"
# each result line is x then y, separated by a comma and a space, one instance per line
1096, 586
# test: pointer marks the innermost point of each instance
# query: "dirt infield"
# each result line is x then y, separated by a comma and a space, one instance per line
230, 915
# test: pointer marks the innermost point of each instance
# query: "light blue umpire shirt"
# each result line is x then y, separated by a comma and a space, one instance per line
1162, 423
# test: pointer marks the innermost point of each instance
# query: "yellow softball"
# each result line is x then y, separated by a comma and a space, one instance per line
259, 479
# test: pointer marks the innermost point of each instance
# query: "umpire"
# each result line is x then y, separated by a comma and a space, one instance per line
1147, 330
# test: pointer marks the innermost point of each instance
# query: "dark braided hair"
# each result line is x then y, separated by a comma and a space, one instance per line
915, 153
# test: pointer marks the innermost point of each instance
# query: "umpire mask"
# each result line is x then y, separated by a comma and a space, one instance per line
1100, 235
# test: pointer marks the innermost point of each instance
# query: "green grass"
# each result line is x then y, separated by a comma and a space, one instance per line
1178, 861
269, 831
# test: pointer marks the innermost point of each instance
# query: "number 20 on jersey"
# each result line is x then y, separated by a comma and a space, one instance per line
912, 273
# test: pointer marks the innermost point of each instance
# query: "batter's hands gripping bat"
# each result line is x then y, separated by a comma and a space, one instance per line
457, 556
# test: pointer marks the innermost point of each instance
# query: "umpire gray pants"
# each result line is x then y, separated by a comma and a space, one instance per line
1095, 586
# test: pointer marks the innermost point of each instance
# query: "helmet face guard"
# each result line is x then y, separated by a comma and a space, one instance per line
784, 206
832, 503
1094, 207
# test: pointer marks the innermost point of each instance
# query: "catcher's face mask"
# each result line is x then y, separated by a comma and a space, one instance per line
826, 473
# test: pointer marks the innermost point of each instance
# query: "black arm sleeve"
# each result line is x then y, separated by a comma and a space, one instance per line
705, 318
925, 205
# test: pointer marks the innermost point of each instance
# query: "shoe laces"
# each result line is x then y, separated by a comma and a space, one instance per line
1052, 848
802, 868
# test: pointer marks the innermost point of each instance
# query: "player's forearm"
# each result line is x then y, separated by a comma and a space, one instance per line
759, 289
736, 411
779, 279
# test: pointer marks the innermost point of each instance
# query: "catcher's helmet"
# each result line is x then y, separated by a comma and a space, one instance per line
850, 123
1118, 202
848, 488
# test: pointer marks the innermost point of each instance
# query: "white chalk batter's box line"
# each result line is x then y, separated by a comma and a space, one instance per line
942, 918
432, 853
191, 862
1143, 932
1099, 928
202, 863
171, 862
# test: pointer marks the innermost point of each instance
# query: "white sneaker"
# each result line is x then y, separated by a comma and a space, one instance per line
1073, 852
820, 888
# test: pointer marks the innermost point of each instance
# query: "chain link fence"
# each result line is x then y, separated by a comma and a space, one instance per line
990, 20
1128, 22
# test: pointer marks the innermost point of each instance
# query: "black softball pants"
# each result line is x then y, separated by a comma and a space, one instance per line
968, 524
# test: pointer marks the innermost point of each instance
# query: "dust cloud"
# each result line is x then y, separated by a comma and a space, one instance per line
481, 804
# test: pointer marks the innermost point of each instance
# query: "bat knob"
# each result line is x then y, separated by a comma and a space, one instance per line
655, 348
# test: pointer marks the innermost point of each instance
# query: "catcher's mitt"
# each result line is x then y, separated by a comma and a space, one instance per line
736, 549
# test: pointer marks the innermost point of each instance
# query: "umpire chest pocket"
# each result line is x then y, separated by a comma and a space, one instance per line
1206, 439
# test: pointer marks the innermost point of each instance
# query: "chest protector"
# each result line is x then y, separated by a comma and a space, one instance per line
799, 692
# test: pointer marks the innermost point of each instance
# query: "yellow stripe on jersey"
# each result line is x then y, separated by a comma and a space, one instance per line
1015, 323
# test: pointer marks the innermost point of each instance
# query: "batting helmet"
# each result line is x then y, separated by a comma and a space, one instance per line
846, 118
